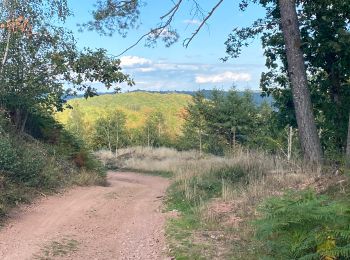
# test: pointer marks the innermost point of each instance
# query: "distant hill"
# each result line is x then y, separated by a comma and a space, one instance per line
136, 105
257, 98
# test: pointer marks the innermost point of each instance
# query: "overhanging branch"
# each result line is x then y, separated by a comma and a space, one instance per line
187, 41
169, 16
160, 29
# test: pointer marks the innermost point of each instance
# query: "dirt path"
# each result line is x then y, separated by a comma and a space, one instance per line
122, 221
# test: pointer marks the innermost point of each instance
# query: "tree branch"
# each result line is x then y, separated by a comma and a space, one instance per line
187, 41
157, 31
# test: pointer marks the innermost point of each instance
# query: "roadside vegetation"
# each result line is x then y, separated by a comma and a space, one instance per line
247, 205
32, 167
40, 66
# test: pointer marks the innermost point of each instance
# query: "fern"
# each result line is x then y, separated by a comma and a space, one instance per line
305, 226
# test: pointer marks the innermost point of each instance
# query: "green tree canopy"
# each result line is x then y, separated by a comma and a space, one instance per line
324, 26
110, 131
40, 63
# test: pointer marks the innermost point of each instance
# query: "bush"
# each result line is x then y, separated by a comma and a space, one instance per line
305, 226
8, 157
26, 163
32, 161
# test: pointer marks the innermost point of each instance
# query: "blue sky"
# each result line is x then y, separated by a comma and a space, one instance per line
177, 67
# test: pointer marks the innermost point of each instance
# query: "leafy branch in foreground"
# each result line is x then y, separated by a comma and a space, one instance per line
37, 67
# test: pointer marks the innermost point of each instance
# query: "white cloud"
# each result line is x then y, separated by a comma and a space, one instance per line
148, 69
175, 66
227, 76
160, 74
193, 21
132, 61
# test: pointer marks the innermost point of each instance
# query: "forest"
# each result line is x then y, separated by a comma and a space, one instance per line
212, 122
247, 179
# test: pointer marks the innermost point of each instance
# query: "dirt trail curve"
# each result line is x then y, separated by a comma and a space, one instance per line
122, 221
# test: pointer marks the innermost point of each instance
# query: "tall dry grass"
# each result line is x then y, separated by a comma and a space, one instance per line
266, 175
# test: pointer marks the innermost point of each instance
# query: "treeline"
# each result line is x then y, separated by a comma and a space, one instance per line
219, 124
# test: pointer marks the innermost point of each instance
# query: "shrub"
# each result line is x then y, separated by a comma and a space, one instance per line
32, 161
8, 157
231, 174
305, 226
23, 162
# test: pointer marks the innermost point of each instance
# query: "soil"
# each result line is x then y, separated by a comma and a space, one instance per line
121, 221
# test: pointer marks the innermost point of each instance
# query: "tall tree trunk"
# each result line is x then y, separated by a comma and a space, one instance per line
348, 146
290, 143
309, 138
8, 38
24, 122
7, 48
18, 119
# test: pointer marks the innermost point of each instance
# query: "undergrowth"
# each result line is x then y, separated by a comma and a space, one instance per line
304, 225
242, 207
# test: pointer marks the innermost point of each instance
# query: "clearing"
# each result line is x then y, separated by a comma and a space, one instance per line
121, 221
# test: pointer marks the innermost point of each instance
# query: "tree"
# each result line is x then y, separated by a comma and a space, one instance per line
324, 26
195, 126
232, 116
267, 133
110, 131
297, 74
75, 123
225, 121
325, 33
153, 129
348, 146
39, 59
281, 28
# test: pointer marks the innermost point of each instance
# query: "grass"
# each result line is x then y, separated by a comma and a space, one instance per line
118, 163
216, 198
88, 178
164, 174
58, 249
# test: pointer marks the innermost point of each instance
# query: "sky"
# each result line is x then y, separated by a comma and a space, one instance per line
179, 68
